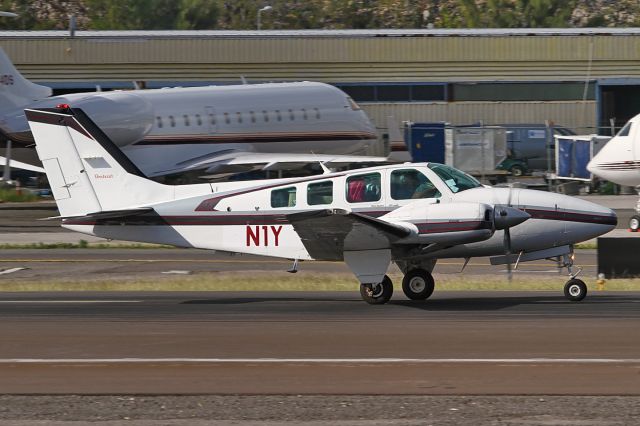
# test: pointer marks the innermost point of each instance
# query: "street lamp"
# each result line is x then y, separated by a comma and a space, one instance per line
9, 14
264, 9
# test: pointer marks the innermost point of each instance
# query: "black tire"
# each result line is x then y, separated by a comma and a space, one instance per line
634, 223
575, 290
418, 284
516, 170
377, 294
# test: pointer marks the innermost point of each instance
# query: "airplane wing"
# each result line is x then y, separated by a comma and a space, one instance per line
108, 214
327, 234
235, 162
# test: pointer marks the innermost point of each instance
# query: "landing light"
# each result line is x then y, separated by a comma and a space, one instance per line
63, 106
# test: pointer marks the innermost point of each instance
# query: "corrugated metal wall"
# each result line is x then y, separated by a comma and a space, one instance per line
560, 57
579, 116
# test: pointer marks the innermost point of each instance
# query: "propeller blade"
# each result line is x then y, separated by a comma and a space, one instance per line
507, 251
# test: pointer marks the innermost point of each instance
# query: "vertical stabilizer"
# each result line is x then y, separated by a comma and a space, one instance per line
15, 90
87, 172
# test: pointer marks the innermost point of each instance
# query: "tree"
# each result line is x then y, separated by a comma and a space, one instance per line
198, 15
133, 14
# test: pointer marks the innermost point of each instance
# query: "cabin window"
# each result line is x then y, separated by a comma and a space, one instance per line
625, 130
278, 116
410, 183
291, 115
253, 116
172, 121
186, 120
226, 118
317, 113
304, 113
285, 197
212, 119
239, 115
320, 193
159, 121
265, 115
198, 120
363, 188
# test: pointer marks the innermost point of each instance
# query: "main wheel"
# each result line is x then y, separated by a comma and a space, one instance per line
377, 294
418, 284
575, 290
634, 223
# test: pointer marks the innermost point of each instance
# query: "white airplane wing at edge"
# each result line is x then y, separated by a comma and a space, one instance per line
20, 165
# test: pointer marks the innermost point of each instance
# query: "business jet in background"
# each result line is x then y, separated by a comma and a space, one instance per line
205, 129
619, 162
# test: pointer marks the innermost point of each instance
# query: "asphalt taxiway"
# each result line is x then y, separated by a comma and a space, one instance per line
319, 343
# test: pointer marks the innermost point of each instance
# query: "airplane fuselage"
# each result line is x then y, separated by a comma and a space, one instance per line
241, 217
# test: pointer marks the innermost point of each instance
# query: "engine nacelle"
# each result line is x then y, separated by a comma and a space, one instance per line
124, 116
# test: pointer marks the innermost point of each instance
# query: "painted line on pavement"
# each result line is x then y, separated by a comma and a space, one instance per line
321, 360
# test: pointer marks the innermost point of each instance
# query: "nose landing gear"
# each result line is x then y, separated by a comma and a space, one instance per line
575, 289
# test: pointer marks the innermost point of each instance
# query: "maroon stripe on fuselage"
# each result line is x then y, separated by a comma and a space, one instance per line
257, 139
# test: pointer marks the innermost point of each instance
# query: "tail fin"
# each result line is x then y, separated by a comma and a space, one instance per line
87, 172
15, 90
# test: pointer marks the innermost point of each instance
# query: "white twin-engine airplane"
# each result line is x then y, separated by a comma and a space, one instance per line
209, 130
619, 162
409, 214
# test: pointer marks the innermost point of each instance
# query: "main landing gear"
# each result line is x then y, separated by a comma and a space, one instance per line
417, 284
575, 289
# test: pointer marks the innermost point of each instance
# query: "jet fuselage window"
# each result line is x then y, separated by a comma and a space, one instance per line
304, 113
239, 114
278, 116
172, 121
411, 184
226, 118
265, 115
363, 188
320, 193
317, 113
291, 116
212, 119
198, 120
253, 116
285, 197
186, 120
159, 120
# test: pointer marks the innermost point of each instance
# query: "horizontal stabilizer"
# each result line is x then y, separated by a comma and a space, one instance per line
110, 214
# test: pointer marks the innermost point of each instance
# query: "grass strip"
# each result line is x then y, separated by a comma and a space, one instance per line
281, 281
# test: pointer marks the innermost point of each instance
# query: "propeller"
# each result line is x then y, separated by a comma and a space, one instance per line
506, 217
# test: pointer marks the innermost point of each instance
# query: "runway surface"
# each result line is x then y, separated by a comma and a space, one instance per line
459, 343
111, 263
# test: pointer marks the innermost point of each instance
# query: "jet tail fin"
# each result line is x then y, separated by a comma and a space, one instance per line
87, 172
15, 90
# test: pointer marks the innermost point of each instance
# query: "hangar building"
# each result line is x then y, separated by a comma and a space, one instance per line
578, 78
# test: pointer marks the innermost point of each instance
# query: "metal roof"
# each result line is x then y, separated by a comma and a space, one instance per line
488, 32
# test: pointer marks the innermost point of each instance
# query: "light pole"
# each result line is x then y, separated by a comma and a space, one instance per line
259, 21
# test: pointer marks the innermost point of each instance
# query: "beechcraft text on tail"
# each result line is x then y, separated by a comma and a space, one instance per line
409, 214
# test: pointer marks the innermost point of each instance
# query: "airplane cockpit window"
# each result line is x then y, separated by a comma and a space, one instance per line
410, 183
363, 188
625, 130
455, 179
285, 197
320, 193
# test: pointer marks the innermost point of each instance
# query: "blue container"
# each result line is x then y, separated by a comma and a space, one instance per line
425, 141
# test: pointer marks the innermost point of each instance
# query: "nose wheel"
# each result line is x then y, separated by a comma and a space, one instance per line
575, 290
418, 284
377, 293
